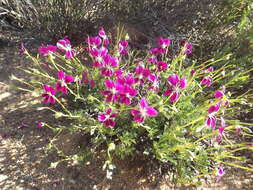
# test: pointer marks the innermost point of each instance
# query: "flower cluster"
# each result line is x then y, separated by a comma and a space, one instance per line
124, 87
213, 110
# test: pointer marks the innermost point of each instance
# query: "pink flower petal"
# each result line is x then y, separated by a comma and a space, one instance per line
143, 103
43, 50
118, 73
218, 94
167, 92
70, 54
138, 118
109, 84
151, 112
92, 83
101, 33
220, 171
210, 69
52, 91
213, 108
46, 87
51, 48
135, 112
174, 97
40, 124
124, 43
114, 61
221, 131
183, 83
108, 111
109, 123
51, 100
106, 42
58, 86
207, 81
62, 44
113, 115
61, 75
69, 79
46, 98
173, 79
101, 117
64, 90
211, 122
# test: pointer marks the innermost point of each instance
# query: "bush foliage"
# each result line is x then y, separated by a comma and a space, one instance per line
155, 103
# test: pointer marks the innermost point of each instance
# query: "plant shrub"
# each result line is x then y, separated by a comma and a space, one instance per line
156, 102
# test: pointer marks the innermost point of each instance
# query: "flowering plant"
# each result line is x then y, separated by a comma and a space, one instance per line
155, 103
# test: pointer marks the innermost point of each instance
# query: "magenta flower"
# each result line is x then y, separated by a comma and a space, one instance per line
46, 50
207, 81
93, 42
107, 118
22, 49
220, 135
40, 124
211, 119
112, 94
118, 73
102, 34
142, 73
126, 94
164, 42
109, 64
187, 48
193, 71
161, 66
153, 57
209, 69
143, 111
49, 94
155, 82
99, 55
220, 130
214, 108
61, 84
127, 80
219, 173
218, 94
92, 83
65, 46
122, 47
176, 84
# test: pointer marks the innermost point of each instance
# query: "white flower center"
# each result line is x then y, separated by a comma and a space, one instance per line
143, 112
114, 91
99, 59
107, 117
68, 48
